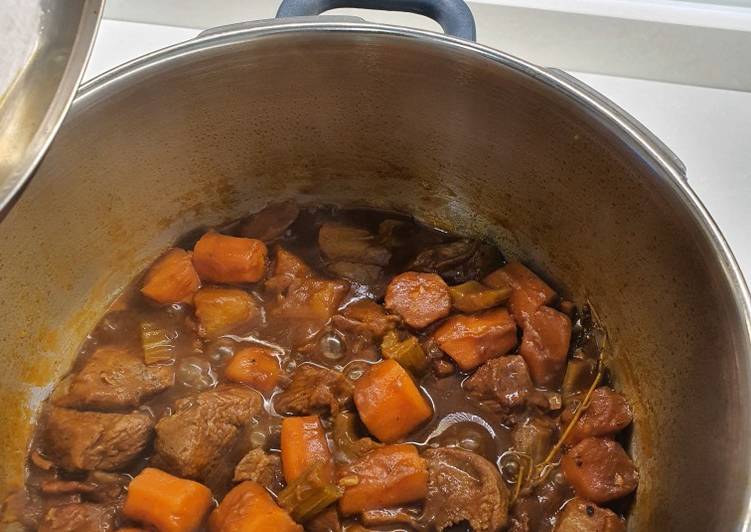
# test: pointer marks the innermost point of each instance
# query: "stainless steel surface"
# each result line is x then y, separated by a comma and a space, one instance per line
40, 74
462, 136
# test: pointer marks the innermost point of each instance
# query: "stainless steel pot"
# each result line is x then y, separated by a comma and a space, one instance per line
463, 136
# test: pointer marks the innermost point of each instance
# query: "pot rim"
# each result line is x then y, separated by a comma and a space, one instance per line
627, 128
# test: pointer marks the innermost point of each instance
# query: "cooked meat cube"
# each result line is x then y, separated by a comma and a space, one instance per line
545, 344
535, 437
388, 476
599, 470
529, 291
114, 379
65, 487
228, 259
535, 509
368, 318
202, 429
583, 516
473, 339
93, 440
314, 390
300, 298
270, 222
503, 384
261, 467
390, 517
172, 278
326, 521
220, 310
339, 242
464, 486
307, 305
419, 298
366, 274
78, 517
287, 268
98, 486
457, 261
608, 413
110, 487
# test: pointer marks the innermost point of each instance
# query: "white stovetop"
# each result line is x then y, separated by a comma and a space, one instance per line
709, 129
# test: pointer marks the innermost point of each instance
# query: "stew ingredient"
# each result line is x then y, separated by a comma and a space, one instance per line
336, 370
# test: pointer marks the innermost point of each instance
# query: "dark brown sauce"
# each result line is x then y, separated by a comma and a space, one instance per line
458, 421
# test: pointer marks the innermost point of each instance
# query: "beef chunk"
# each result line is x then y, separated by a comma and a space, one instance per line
463, 486
114, 379
545, 344
339, 242
306, 306
365, 274
459, 261
261, 467
66, 487
93, 440
315, 390
363, 324
203, 429
583, 516
502, 384
110, 487
271, 222
326, 521
81, 517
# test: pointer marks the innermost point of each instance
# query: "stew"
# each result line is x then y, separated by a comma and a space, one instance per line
323, 369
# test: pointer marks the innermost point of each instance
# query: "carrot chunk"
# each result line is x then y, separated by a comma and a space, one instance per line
248, 507
599, 470
387, 476
419, 298
222, 309
388, 401
255, 366
545, 343
529, 291
172, 278
229, 259
303, 445
476, 338
166, 502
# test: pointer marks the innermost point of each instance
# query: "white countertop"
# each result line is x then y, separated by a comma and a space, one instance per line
709, 129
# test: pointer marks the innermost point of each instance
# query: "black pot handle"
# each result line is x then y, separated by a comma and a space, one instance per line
454, 16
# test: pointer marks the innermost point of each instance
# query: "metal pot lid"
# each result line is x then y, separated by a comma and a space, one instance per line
43, 52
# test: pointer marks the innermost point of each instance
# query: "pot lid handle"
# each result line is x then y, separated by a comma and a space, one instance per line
454, 16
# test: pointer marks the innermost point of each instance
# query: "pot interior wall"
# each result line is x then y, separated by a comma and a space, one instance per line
459, 140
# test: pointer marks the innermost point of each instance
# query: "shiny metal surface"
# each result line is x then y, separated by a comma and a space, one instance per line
40, 74
464, 137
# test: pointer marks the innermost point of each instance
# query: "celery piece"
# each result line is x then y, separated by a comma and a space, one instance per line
408, 352
309, 494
